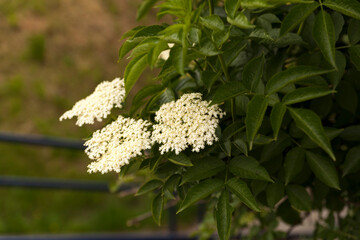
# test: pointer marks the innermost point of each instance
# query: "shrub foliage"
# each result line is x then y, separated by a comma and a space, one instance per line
286, 72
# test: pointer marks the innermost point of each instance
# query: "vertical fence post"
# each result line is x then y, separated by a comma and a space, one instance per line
172, 220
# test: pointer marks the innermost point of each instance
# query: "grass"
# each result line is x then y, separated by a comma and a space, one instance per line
55, 53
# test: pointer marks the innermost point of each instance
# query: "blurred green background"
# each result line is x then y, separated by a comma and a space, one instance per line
53, 53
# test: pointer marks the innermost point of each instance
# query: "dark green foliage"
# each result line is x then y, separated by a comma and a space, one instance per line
288, 79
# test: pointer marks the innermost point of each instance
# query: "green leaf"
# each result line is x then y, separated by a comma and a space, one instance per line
347, 97
297, 15
180, 159
228, 91
355, 56
240, 21
353, 31
231, 6
324, 36
305, 94
212, 22
299, 198
178, 58
254, 116
292, 75
294, 162
323, 169
208, 48
200, 191
226, 147
248, 167
209, 78
242, 191
144, 8
352, 161
348, 7
157, 207
203, 168
170, 185
232, 129
276, 117
252, 72
274, 193
274, 149
331, 133
336, 76
223, 216
149, 186
133, 71
128, 46
145, 92
310, 124
241, 145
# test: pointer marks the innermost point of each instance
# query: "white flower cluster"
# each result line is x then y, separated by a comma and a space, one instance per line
99, 104
188, 121
116, 144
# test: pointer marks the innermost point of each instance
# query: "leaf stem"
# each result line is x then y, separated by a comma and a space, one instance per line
211, 7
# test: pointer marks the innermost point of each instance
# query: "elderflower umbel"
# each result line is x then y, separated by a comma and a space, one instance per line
189, 121
116, 144
99, 104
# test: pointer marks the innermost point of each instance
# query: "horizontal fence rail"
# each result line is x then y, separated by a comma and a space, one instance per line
42, 141
50, 183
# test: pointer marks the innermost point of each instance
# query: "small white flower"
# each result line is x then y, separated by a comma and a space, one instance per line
116, 144
166, 53
189, 121
99, 104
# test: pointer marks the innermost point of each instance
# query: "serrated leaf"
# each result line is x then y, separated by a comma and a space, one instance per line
254, 116
149, 186
240, 21
348, 7
336, 76
305, 94
294, 162
212, 22
276, 117
231, 130
231, 6
203, 168
170, 185
331, 133
242, 191
299, 198
157, 207
352, 161
226, 147
228, 91
145, 92
311, 125
323, 169
248, 167
178, 58
292, 75
252, 72
324, 36
180, 159
223, 216
208, 48
272, 150
241, 145
274, 193
200, 191
353, 31
128, 46
297, 15
133, 71
355, 56
209, 78
144, 8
